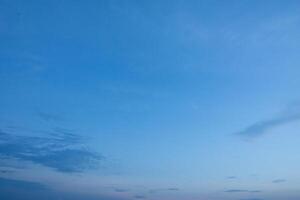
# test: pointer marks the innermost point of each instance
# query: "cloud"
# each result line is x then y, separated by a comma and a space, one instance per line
242, 191
235, 190
28, 185
173, 189
231, 177
22, 190
252, 199
60, 151
164, 189
27, 190
278, 181
139, 197
4, 171
291, 114
65, 134
49, 116
121, 190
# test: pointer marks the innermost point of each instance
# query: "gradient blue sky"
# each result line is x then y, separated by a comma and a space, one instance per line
117, 100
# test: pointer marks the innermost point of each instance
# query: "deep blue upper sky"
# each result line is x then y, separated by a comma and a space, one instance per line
149, 99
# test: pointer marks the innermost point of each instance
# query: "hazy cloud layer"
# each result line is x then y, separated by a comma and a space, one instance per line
61, 151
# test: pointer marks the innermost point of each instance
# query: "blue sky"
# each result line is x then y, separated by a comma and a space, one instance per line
153, 100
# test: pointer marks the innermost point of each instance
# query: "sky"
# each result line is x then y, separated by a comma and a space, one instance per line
169, 99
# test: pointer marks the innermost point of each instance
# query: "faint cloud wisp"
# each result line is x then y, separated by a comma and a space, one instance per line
259, 128
278, 181
242, 191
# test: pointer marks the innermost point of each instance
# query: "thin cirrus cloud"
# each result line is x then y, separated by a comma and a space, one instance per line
231, 177
140, 197
242, 191
45, 116
261, 127
278, 181
172, 189
121, 190
61, 151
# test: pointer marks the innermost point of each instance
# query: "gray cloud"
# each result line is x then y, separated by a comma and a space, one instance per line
63, 152
261, 127
164, 189
242, 191
139, 197
121, 190
278, 181
235, 190
231, 177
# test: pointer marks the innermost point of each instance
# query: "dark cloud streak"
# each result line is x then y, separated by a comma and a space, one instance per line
242, 191
278, 181
261, 127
